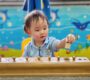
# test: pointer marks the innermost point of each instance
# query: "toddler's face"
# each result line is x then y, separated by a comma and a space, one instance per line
39, 29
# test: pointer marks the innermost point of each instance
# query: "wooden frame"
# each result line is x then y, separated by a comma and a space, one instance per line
45, 69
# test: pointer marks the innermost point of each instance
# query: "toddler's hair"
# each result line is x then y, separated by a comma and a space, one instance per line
33, 16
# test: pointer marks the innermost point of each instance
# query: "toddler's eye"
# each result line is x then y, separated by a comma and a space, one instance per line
44, 28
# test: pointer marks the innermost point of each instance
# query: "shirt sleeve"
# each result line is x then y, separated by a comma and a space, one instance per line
53, 43
25, 54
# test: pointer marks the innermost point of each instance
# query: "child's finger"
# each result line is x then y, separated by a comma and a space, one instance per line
68, 39
71, 38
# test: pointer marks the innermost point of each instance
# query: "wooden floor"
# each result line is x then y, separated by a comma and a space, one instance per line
45, 69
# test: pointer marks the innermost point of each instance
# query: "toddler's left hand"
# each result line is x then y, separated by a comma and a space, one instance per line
70, 38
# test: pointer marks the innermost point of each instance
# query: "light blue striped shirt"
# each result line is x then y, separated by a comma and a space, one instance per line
47, 49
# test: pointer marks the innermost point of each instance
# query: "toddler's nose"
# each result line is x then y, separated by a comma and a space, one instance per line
42, 31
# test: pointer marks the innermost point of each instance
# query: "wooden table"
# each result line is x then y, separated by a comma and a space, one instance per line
45, 69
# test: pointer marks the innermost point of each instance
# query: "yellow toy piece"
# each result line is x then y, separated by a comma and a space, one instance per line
56, 54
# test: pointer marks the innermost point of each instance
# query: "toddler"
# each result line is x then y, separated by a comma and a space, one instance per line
36, 25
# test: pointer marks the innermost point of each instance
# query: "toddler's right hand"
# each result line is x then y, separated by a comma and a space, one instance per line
70, 38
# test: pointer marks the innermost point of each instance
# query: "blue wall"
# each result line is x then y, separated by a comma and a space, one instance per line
12, 21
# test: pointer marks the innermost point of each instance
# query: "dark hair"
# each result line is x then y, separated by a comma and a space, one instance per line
34, 15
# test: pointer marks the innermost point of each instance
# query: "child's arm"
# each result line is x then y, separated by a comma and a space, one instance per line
69, 39
25, 53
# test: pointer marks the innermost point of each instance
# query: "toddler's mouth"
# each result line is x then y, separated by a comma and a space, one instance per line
42, 36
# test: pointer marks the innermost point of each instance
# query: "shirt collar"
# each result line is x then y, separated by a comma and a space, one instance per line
45, 42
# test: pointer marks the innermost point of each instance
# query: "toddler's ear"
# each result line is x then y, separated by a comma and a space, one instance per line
28, 32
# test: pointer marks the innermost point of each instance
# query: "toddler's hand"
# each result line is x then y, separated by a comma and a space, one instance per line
70, 38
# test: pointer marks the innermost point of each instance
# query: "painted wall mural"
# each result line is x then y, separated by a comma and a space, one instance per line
65, 20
